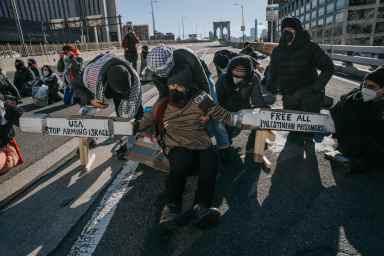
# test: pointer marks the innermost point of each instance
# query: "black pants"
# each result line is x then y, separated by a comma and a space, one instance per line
184, 163
132, 58
307, 103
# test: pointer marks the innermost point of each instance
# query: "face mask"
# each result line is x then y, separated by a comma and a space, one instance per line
19, 66
46, 73
287, 37
237, 80
368, 94
178, 98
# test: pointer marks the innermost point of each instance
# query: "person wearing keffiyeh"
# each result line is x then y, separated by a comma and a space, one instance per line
109, 77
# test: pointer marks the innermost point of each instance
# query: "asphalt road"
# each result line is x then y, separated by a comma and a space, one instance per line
303, 206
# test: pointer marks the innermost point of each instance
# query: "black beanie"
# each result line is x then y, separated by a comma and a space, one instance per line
119, 79
182, 76
292, 22
377, 76
221, 60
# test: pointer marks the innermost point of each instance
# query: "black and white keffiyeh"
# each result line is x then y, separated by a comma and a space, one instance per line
93, 79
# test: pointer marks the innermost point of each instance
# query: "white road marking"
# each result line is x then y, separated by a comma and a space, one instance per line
92, 233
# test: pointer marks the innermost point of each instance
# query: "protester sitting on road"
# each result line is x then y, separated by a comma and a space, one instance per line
50, 79
240, 88
32, 65
359, 122
109, 77
23, 78
130, 42
221, 60
9, 116
144, 54
293, 72
178, 122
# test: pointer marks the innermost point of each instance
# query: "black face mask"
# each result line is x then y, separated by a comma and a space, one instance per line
287, 37
19, 66
178, 98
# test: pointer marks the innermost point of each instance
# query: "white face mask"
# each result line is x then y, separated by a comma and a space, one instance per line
368, 94
237, 80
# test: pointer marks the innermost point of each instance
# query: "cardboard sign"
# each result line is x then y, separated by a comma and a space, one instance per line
286, 120
96, 128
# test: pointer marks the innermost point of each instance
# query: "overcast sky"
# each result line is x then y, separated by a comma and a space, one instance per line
198, 14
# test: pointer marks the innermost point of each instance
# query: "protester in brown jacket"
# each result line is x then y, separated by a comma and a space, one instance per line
179, 121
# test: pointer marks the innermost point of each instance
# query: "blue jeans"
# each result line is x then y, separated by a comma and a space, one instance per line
217, 129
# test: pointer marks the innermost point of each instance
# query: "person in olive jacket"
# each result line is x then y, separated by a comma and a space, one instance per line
293, 71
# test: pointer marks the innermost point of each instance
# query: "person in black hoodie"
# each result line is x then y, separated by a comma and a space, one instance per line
359, 122
221, 60
239, 88
32, 65
293, 71
23, 79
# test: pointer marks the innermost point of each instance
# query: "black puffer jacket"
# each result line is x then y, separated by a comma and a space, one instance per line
245, 95
293, 68
23, 79
359, 126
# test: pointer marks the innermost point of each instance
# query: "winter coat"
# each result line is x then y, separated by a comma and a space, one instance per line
23, 80
71, 66
182, 126
359, 126
294, 68
52, 81
245, 95
130, 42
11, 117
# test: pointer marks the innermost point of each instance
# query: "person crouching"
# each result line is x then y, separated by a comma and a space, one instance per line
178, 119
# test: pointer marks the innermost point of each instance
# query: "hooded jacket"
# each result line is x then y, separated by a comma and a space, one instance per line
245, 95
7, 120
22, 79
294, 68
359, 126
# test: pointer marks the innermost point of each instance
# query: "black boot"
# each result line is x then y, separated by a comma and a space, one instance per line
206, 217
169, 217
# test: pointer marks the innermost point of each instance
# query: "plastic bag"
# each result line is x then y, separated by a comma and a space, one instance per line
40, 95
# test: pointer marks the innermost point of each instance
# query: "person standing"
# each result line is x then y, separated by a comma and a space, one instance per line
143, 58
293, 71
130, 47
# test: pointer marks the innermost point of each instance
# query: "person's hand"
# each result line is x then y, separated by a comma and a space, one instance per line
98, 104
204, 119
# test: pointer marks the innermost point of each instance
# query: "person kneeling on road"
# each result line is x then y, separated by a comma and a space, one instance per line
109, 77
186, 143
359, 122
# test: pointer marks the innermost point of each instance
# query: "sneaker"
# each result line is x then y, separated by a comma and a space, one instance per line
206, 217
169, 217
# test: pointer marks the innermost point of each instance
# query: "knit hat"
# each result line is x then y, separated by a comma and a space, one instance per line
377, 76
119, 79
292, 22
182, 76
221, 60
160, 61
241, 66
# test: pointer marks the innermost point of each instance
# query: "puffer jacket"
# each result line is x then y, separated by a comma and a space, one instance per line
293, 68
359, 126
182, 126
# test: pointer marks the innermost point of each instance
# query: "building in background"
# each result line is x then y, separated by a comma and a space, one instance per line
264, 35
272, 16
60, 20
353, 22
142, 31
252, 34
160, 36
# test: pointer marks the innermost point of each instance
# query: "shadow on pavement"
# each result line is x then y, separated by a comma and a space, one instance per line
41, 218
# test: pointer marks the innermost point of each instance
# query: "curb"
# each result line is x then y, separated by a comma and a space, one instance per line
15, 186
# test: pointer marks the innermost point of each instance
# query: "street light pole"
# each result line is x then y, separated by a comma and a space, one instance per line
182, 25
153, 16
18, 24
242, 20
